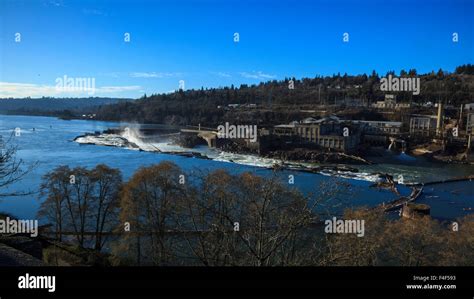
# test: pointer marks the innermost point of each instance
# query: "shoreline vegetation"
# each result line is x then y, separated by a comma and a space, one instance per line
202, 225
222, 220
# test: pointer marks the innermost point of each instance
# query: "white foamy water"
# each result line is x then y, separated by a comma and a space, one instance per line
133, 135
361, 176
132, 139
106, 140
245, 159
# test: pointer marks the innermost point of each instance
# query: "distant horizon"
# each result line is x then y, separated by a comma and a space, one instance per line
131, 48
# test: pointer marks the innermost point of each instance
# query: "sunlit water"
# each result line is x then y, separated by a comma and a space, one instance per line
51, 144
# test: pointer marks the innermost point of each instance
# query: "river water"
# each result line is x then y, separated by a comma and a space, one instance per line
49, 142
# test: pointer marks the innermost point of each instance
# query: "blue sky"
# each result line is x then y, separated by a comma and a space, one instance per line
193, 40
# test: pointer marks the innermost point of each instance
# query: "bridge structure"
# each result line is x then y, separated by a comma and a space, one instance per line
208, 134
153, 132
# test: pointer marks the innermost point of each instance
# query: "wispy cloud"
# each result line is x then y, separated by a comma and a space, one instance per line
95, 12
56, 3
22, 90
222, 74
153, 75
113, 89
257, 75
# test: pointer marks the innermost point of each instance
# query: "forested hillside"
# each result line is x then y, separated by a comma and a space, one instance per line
276, 98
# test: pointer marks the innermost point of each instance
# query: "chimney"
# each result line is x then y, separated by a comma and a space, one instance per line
439, 120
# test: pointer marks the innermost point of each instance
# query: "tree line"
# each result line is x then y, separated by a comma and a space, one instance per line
161, 216
191, 107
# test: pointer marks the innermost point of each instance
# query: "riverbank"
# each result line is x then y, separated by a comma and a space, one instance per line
316, 156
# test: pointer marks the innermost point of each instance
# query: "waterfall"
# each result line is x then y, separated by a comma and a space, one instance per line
133, 135
392, 142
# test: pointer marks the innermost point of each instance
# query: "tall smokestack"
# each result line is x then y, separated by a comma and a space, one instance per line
439, 120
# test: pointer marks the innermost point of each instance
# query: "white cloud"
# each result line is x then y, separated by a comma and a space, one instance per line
111, 89
56, 3
222, 74
153, 75
22, 90
257, 75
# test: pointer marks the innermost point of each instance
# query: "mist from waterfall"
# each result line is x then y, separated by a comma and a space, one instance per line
132, 134
392, 142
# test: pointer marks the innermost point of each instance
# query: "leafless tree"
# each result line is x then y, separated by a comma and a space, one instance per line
244, 220
56, 187
11, 168
147, 202
82, 200
104, 207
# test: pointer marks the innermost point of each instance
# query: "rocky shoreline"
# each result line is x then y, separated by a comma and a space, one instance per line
314, 156
435, 154
187, 140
